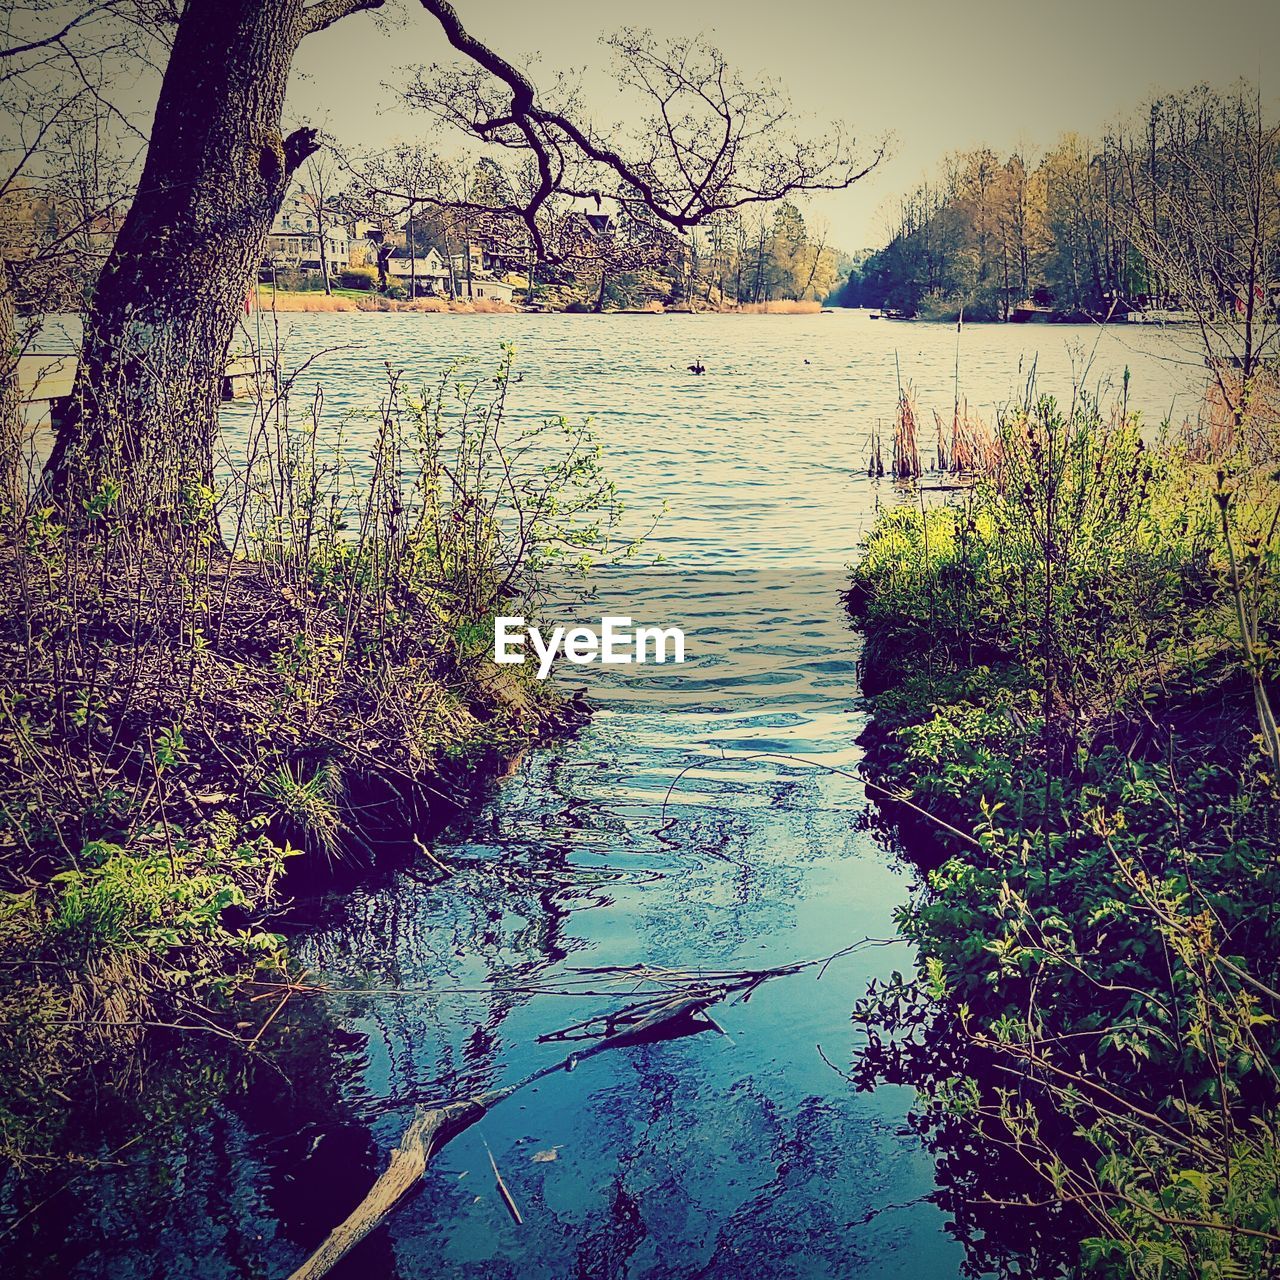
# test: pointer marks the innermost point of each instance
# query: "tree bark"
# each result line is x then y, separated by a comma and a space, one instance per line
12, 482
144, 407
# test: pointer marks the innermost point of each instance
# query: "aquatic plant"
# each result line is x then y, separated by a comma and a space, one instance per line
906, 446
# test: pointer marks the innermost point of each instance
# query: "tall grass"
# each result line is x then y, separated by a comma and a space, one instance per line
1076, 664
296, 663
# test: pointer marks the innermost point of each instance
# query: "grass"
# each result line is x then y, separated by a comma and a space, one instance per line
292, 673
1074, 665
363, 300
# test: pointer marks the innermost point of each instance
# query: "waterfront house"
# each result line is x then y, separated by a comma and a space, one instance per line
428, 270
294, 240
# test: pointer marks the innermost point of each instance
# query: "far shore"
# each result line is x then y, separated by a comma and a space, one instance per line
281, 300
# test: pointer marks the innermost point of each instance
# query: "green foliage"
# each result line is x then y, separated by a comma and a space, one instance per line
1157, 214
1090, 562
151, 900
362, 278
1070, 650
311, 804
122, 939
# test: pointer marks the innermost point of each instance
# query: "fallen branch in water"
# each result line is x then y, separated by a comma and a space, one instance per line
428, 1132
599, 981
679, 1006
432, 1128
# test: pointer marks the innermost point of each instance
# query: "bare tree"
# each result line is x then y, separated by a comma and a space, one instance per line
1202, 206
603, 246
317, 183
708, 142
218, 164
405, 180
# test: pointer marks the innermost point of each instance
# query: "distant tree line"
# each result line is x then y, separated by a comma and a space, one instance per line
1145, 215
594, 254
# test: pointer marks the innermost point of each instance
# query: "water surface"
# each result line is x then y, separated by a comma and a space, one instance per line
685, 826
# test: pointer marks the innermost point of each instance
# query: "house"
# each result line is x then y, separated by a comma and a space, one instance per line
490, 258
429, 271
293, 242
487, 286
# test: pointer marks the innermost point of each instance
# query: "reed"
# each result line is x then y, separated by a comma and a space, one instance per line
966, 445
282, 300
906, 445
779, 307
1220, 432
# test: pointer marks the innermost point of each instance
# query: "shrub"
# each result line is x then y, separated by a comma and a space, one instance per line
1076, 659
365, 278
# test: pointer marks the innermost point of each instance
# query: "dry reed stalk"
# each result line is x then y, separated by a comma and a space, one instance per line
906, 449
875, 460
779, 307
285, 300
975, 449
1219, 433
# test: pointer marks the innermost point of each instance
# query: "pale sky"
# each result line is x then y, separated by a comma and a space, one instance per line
938, 76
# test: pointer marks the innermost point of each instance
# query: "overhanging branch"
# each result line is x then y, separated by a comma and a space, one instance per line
324, 13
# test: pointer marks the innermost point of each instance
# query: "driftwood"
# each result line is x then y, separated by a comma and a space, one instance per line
432, 1128
428, 1132
677, 1005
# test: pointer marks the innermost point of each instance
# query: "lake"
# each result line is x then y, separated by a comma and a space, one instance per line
709, 816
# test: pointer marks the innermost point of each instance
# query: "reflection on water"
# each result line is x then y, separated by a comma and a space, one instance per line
685, 826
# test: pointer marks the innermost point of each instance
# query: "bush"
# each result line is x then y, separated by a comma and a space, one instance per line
364, 278
1075, 657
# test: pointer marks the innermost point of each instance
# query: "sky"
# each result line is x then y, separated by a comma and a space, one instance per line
936, 76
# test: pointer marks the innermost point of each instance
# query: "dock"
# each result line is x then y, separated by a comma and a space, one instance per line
46, 379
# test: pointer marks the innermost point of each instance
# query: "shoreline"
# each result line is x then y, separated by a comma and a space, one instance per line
317, 303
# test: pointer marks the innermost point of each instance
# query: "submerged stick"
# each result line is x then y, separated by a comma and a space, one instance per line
432, 1128
428, 1132
507, 1198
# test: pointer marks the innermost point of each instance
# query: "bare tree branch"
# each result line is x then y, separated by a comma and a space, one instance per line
56, 37
712, 144
324, 13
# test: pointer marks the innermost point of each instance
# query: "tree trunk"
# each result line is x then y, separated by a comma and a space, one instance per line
413, 254
12, 480
604, 279
144, 407
324, 258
